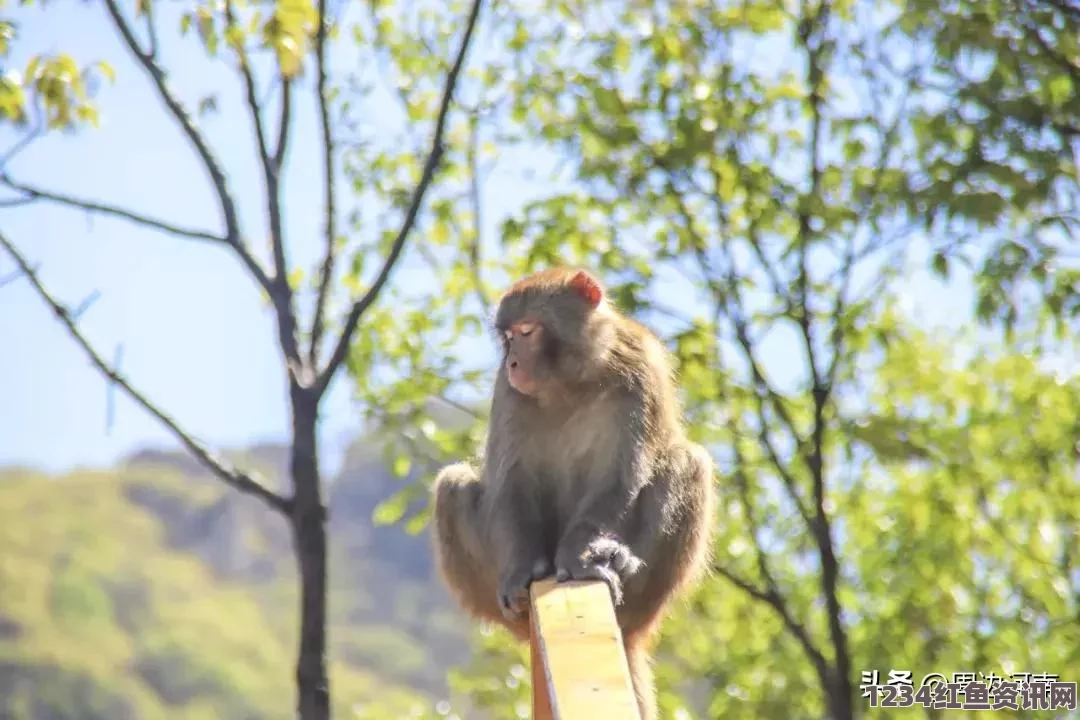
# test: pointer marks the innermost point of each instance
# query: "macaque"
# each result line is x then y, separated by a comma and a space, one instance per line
587, 472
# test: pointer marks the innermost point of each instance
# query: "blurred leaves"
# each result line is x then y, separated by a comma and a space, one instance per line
762, 183
768, 185
285, 27
52, 89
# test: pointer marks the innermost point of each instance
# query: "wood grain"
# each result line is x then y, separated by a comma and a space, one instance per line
579, 666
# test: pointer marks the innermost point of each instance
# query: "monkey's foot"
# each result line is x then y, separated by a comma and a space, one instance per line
603, 559
514, 587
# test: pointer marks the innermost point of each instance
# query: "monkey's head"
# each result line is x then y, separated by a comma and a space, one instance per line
555, 330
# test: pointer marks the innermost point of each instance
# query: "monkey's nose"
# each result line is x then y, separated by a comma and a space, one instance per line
513, 364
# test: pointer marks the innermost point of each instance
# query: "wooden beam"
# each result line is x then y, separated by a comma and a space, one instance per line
579, 666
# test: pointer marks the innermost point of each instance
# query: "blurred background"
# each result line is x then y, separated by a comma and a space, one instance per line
854, 222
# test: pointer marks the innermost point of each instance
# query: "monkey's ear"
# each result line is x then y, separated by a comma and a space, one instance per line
587, 287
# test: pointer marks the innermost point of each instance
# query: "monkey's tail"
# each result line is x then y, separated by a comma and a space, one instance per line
641, 672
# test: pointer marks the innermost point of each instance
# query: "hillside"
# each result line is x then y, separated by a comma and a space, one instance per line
151, 591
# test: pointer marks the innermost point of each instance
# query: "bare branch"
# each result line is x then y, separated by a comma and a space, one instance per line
806, 234
281, 294
34, 194
209, 161
474, 194
774, 601
251, 96
318, 323
815, 42
22, 144
743, 484
730, 300
434, 157
217, 465
284, 123
459, 406
110, 391
753, 231
151, 27
85, 305
762, 389
10, 278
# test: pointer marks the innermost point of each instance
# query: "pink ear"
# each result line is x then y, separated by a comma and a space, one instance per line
587, 287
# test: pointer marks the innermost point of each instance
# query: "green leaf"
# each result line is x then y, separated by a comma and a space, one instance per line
941, 265
391, 510
402, 465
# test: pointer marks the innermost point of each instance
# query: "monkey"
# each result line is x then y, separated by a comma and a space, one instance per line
586, 472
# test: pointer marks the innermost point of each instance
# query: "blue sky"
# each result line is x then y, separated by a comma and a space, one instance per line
186, 314
195, 336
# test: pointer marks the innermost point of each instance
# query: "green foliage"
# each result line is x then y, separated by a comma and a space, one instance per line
52, 84
284, 27
762, 183
957, 525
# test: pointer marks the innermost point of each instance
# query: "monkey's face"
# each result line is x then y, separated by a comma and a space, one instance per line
551, 333
524, 343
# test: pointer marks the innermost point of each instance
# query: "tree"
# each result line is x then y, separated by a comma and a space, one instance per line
762, 180
286, 41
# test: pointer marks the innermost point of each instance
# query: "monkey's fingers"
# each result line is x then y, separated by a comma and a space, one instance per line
513, 603
626, 563
514, 589
613, 553
593, 571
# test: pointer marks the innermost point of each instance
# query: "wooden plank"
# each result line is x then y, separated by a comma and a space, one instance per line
541, 692
579, 663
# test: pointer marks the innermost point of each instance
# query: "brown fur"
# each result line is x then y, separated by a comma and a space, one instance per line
587, 470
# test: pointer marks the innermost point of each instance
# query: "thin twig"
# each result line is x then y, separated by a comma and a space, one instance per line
284, 123
85, 305
731, 302
796, 629
474, 195
110, 391
280, 293
151, 28
815, 42
10, 278
434, 157
209, 161
219, 466
318, 323
250, 94
22, 144
34, 194
459, 406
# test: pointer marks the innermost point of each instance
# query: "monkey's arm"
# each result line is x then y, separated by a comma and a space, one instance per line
516, 537
594, 543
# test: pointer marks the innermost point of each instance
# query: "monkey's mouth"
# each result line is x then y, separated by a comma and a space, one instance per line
523, 386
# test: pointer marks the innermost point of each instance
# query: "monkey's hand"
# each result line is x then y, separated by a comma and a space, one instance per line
514, 585
604, 558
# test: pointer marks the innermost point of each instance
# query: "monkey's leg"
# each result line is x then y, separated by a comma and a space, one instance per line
641, 673
464, 560
669, 528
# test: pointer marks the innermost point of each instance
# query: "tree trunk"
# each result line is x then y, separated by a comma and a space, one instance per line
840, 700
309, 538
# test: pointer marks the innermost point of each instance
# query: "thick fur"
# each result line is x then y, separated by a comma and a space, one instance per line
591, 477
